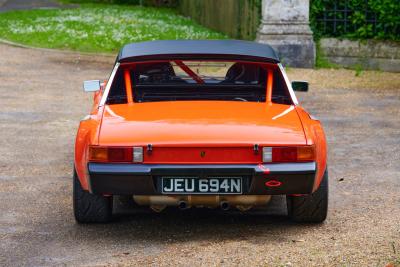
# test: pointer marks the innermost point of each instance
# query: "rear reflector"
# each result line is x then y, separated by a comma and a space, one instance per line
288, 154
110, 154
273, 183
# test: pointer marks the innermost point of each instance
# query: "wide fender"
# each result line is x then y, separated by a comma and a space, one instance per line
315, 135
88, 133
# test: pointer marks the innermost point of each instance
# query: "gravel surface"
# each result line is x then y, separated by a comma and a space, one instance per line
8, 5
40, 107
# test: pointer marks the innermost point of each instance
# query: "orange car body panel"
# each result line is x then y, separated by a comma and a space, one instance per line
179, 128
315, 135
88, 134
200, 123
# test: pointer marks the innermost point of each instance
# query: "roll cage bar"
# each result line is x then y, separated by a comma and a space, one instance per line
127, 68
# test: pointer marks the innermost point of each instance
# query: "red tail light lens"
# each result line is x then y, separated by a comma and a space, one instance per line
120, 154
284, 154
110, 154
291, 154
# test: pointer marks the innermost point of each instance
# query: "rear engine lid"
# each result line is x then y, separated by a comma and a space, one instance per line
201, 124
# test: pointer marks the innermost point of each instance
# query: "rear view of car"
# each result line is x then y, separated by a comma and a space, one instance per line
199, 124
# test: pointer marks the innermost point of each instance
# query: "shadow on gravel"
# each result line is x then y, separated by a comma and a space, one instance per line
175, 226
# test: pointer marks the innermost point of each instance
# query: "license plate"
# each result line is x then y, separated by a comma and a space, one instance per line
194, 185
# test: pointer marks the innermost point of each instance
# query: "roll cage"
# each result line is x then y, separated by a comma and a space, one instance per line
127, 68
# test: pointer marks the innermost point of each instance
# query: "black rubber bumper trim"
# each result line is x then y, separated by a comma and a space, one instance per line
121, 179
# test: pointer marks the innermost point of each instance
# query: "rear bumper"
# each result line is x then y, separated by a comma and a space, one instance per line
142, 179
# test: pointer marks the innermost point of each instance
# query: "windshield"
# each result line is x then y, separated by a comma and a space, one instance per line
197, 80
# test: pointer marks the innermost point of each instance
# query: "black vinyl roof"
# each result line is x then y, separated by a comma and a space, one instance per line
197, 49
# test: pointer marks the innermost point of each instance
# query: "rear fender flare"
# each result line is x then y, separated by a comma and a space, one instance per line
315, 135
87, 135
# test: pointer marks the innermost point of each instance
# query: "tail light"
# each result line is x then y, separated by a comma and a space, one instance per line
288, 154
115, 154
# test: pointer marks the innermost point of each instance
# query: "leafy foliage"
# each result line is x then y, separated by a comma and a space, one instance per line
356, 19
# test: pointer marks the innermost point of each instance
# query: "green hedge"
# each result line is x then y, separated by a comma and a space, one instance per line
366, 19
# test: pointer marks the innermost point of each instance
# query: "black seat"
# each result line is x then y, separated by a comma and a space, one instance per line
155, 73
245, 73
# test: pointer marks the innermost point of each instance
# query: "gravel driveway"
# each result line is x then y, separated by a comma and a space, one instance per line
40, 106
7, 5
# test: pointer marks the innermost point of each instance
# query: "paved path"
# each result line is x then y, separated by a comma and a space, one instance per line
7, 5
41, 104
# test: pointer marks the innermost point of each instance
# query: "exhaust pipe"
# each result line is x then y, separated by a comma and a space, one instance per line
242, 202
225, 205
182, 205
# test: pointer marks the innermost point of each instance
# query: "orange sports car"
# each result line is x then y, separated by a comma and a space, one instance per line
199, 124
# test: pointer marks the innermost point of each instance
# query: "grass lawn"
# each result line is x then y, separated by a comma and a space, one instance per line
98, 28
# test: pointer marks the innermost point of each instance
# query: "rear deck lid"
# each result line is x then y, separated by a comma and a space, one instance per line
200, 124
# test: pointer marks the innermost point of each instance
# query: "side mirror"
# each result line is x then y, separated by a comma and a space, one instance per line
301, 86
91, 86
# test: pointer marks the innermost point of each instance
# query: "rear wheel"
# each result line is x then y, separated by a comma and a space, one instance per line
90, 208
311, 208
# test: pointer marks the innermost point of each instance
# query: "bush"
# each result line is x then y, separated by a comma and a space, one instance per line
356, 19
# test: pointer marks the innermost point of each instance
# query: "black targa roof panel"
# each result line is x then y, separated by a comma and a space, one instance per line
196, 49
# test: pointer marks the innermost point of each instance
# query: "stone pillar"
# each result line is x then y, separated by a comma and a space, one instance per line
285, 26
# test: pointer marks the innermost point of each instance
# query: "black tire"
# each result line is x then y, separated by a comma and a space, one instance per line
311, 208
90, 208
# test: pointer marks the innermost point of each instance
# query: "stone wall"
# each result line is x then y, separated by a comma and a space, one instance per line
285, 26
371, 54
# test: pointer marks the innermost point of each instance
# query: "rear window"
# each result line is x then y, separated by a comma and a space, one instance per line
198, 80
